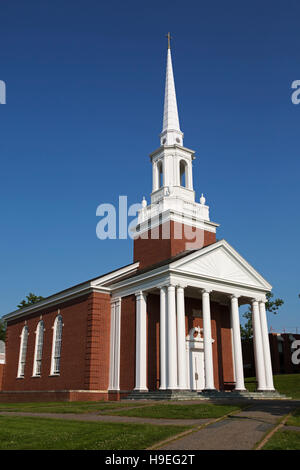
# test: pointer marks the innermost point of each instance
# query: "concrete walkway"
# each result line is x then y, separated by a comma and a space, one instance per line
242, 431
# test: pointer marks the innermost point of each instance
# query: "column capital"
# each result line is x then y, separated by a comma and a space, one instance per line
140, 294
181, 286
206, 291
171, 286
253, 301
234, 296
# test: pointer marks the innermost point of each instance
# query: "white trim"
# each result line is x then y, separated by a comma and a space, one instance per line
223, 243
38, 331
25, 328
54, 337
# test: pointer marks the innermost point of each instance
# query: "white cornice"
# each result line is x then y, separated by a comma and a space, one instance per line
170, 149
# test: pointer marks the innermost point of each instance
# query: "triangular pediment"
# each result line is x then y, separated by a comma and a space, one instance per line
221, 262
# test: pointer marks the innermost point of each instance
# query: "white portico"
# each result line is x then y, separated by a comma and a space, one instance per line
216, 272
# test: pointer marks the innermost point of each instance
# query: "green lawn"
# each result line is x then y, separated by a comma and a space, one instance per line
294, 420
284, 440
172, 411
22, 433
64, 407
288, 384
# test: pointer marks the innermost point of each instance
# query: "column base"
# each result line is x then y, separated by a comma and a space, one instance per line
141, 390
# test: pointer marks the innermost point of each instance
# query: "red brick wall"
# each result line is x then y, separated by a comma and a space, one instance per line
153, 308
152, 250
127, 347
83, 317
97, 342
1, 374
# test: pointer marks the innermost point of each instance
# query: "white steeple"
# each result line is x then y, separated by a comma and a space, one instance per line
173, 195
171, 133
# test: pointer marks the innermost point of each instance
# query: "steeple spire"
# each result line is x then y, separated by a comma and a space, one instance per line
171, 133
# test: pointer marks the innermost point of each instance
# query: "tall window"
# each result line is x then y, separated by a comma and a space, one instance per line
56, 346
160, 174
183, 173
38, 349
23, 351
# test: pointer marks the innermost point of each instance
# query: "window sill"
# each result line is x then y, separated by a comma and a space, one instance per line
54, 375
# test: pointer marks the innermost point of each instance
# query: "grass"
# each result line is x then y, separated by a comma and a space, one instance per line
294, 420
288, 384
64, 407
171, 411
284, 440
24, 433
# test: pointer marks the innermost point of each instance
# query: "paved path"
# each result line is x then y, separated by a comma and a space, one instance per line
242, 431
110, 419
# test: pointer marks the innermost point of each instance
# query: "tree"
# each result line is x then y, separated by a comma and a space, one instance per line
272, 306
2, 330
31, 299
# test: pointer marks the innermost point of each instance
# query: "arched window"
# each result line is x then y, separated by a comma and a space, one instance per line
160, 174
37, 365
56, 345
23, 351
183, 173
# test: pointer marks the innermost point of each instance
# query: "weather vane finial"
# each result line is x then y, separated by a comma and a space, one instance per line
169, 40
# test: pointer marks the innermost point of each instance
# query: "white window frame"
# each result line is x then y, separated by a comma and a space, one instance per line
54, 356
23, 352
38, 352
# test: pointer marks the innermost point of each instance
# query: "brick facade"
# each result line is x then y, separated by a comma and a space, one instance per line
84, 351
152, 248
1, 375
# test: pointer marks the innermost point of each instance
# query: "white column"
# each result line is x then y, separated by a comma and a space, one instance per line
266, 346
112, 347
171, 341
115, 334
237, 344
181, 339
141, 342
208, 354
163, 338
118, 344
258, 347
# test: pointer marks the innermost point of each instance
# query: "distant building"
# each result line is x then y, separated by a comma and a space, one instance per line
2, 361
281, 347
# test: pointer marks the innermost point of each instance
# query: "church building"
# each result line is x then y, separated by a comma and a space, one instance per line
165, 325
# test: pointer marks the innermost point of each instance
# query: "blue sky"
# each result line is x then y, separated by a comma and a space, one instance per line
85, 85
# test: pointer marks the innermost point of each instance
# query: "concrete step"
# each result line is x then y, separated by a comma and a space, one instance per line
205, 395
